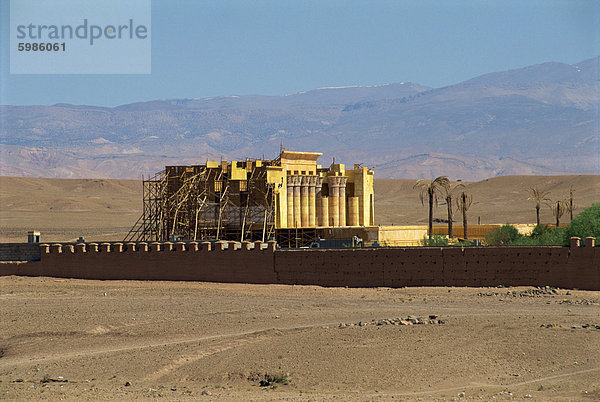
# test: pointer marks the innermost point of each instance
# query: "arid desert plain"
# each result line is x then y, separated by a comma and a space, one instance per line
77, 339
81, 339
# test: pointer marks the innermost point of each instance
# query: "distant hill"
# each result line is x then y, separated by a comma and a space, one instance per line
541, 119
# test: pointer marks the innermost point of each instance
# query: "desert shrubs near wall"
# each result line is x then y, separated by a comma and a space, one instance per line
542, 235
436, 240
586, 224
440, 240
503, 236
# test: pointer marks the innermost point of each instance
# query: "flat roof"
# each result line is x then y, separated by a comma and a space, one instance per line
294, 155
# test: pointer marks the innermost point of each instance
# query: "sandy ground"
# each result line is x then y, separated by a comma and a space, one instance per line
64, 209
102, 209
77, 339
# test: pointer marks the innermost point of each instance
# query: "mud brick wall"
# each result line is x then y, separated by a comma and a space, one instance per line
576, 267
565, 267
582, 269
19, 252
156, 261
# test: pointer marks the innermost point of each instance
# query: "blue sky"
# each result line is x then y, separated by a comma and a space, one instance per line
212, 48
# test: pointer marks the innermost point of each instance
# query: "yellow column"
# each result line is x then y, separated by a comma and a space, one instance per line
353, 204
290, 202
304, 201
319, 202
342, 200
324, 213
297, 202
312, 202
334, 199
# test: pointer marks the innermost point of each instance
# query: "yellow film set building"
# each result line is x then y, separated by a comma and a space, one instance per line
290, 199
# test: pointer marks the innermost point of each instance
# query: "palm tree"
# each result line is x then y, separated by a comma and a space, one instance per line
430, 189
538, 196
558, 209
449, 193
570, 206
464, 203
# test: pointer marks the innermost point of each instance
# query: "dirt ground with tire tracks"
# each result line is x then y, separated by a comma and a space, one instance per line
81, 339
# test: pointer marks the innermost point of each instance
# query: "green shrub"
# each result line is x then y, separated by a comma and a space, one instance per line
554, 237
462, 243
280, 379
540, 230
542, 235
270, 380
437, 240
586, 224
503, 236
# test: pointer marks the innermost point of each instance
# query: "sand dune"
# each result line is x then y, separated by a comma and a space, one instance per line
105, 209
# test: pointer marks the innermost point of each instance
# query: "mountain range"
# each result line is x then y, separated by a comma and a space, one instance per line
541, 119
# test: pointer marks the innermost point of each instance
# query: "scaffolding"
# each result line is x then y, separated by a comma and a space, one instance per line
297, 237
291, 199
196, 203
149, 226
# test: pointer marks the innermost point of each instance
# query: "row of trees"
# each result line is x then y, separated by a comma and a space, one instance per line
558, 207
455, 196
587, 223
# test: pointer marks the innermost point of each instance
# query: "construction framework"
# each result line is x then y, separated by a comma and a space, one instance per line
291, 199
207, 202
